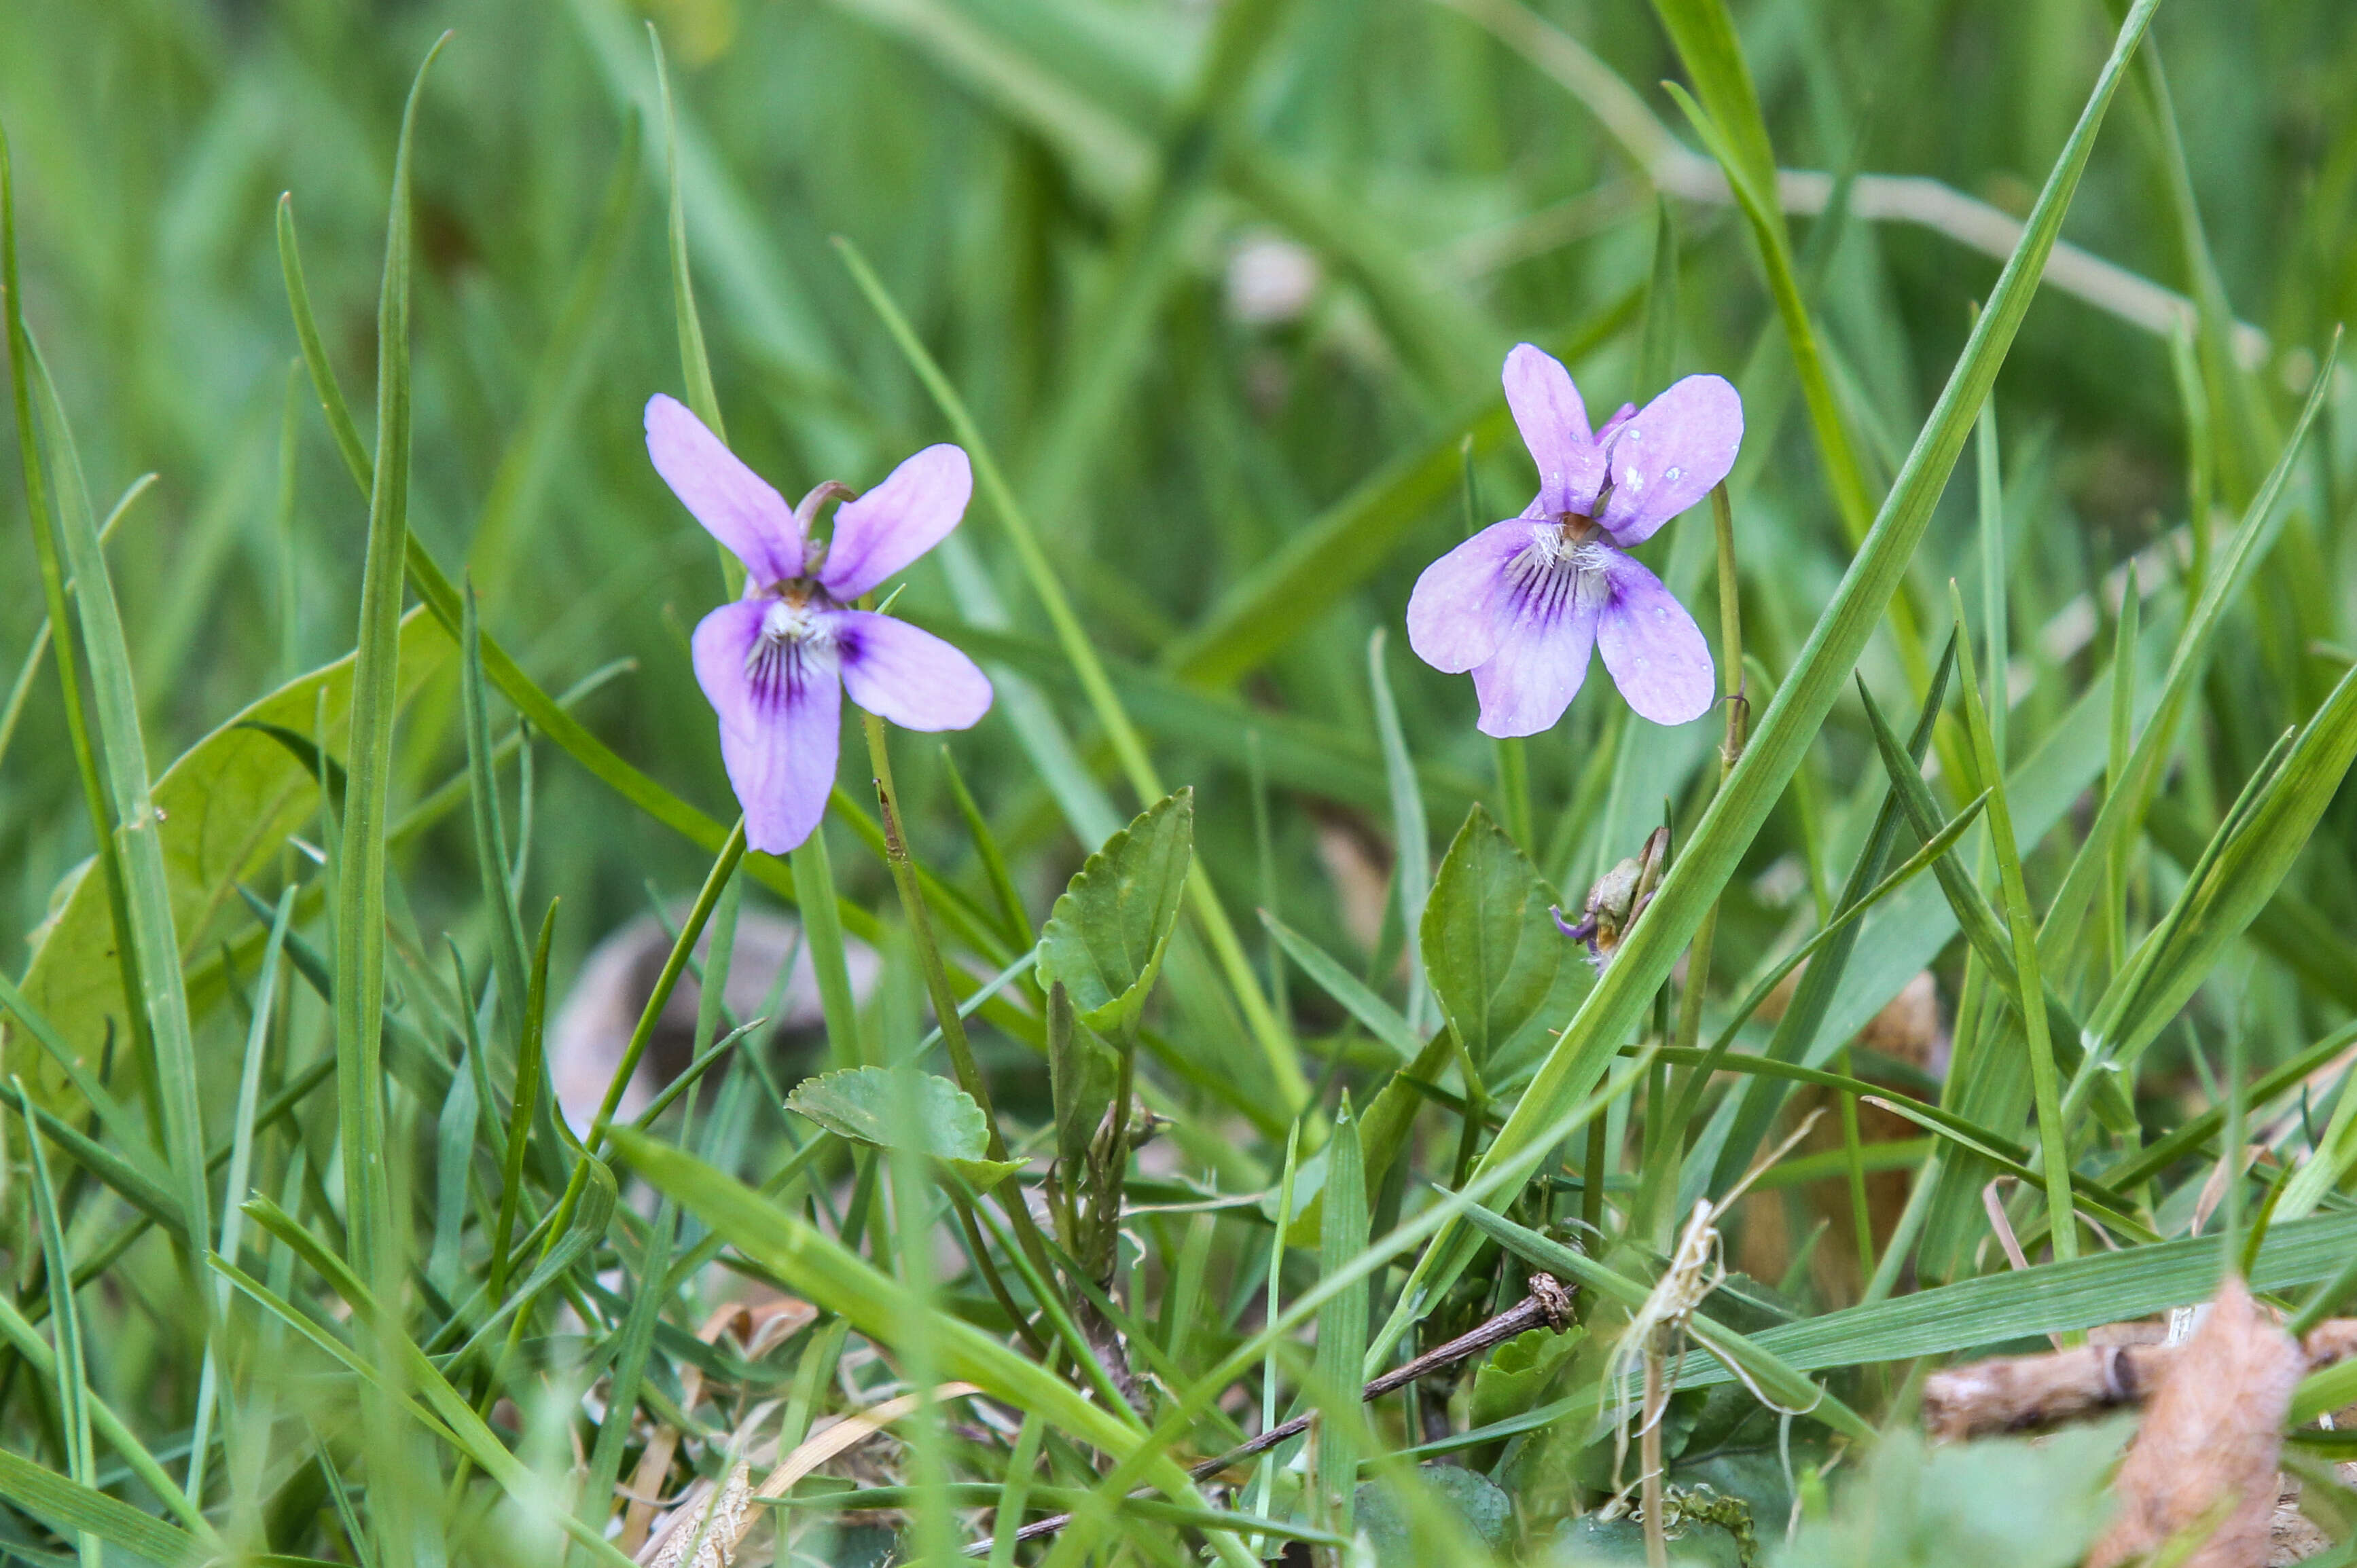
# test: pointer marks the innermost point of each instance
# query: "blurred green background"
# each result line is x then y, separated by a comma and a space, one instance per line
1208, 275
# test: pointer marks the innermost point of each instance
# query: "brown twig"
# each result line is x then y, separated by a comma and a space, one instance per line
1548, 1304
2018, 1393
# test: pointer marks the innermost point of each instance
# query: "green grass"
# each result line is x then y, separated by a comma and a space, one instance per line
378, 667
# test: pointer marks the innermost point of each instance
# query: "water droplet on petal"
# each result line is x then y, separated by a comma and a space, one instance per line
1673, 475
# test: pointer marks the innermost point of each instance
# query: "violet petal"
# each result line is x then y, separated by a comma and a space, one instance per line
912, 510
1538, 667
1652, 647
1462, 605
780, 722
1669, 456
1553, 422
907, 675
736, 505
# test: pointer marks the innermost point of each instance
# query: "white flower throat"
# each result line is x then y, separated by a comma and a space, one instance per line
1564, 565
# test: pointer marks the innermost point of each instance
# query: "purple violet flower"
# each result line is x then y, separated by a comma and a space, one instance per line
1520, 603
775, 664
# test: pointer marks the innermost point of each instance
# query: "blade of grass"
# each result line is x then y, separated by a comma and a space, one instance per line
1734, 133
2053, 1132
161, 1000
69, 1372
240, 1177
1381, 1020
1410, 837
1341, 1325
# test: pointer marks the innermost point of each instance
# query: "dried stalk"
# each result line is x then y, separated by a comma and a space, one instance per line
1548, 1304
2019, 1393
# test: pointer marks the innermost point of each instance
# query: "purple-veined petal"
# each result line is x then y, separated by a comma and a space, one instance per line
1540, 662
1460, 606
1652, 647
912, 510
736, 505
1670, 454
1553, 423
780, 722
907, 675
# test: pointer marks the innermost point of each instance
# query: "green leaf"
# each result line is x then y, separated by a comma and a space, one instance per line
2010, 1501
902, 1108
1104, 939
227, 807
68, 1371
1410, 837
1519, 1372
1491, 948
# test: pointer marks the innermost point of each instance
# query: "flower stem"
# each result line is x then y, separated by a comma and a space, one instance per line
1730, 752
1008, 1194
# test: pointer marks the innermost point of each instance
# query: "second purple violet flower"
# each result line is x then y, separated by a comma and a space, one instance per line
1522, 603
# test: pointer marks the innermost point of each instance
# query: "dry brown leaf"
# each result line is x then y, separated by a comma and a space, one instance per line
2211, 1438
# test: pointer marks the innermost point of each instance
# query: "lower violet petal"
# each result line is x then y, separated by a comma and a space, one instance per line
780, 712
1536, 671
907, 676
1652, 647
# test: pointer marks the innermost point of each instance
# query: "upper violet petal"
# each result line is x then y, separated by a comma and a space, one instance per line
912, 510
1668, 455
780, 728
907, 675
1460, 606
736, 505
1538, 667
1553, 422
1611, 427
1652, 647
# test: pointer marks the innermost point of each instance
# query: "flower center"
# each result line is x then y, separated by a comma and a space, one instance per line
1564, 563
795, 641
